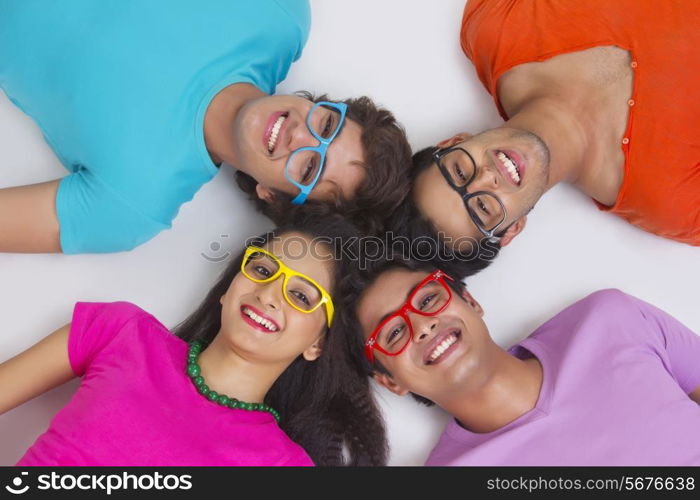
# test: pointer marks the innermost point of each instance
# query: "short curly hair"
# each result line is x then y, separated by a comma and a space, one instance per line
387, 160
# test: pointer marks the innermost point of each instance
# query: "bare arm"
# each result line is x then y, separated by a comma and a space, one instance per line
35, 371
28, 221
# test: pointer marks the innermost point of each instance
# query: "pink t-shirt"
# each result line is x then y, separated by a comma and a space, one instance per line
136, 405
617, 374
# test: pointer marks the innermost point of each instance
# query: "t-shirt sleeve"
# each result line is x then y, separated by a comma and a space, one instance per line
300, 13
681, 344
95, 219
93, 327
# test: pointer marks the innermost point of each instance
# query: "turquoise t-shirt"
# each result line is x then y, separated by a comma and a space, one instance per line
120, 89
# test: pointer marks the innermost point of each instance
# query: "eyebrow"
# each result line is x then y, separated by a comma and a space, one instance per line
305, 280
404, 301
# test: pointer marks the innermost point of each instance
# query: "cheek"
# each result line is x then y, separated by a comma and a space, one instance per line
239, 288
304, 326
403, 370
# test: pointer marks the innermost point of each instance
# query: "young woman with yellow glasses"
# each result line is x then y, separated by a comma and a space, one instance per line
252, 377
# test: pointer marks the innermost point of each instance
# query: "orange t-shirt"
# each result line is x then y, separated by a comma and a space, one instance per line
661, 188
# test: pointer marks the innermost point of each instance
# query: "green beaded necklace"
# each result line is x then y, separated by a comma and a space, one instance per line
194, 372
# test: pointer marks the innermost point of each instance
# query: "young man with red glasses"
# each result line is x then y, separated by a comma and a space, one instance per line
610, 380
596, 93
142, 102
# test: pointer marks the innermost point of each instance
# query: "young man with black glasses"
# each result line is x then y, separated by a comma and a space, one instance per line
599, 94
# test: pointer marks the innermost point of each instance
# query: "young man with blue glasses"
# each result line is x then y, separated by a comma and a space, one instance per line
143, 102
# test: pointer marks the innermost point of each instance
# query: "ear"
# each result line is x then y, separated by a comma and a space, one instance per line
221, 300
314, 351
265, 193
456, 139
472, 301
387, 381
514, 230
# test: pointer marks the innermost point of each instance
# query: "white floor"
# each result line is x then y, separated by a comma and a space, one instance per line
406, 55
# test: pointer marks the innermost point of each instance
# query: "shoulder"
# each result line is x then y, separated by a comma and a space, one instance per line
298, 11
114, 312
113, 316
479, 20
107, 329
608, 297
596, 314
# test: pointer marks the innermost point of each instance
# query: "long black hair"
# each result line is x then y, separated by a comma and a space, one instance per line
326, 405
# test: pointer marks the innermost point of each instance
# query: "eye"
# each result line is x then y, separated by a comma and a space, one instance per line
426, 301
459, 173
482, 207
262, 271
301, 297
308, 170
328, 127
395, 334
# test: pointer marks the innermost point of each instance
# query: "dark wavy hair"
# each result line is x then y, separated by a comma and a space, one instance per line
326, 405
387, 160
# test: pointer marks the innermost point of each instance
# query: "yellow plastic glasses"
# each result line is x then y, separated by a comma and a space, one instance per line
300, 291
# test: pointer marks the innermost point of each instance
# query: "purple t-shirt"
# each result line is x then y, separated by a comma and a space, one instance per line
136, 405
617, 374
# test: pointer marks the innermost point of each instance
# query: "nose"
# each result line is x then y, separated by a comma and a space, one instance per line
487, 179
270, 295
424, 327
300, 136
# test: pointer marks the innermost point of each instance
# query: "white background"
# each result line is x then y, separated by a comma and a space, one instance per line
406, 56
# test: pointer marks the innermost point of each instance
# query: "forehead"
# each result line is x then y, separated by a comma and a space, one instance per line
304, 255
386, 295
443, 207
344, 170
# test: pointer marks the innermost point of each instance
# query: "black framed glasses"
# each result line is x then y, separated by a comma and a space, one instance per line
485, 209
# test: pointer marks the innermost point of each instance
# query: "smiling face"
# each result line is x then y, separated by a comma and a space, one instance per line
258, 320
512, 164
269, 129
448, 350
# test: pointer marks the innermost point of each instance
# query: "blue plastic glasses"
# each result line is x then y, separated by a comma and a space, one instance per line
305, 165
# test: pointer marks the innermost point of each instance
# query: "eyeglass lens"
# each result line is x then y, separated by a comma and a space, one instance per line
261, 267
304, 164
426, 300
461, 172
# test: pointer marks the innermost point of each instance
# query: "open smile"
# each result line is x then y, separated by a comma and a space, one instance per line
511, 165
442, 346
273, 130
258, 320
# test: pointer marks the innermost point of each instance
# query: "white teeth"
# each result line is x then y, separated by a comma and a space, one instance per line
275, 130
260, 320
510, 166
442, 347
